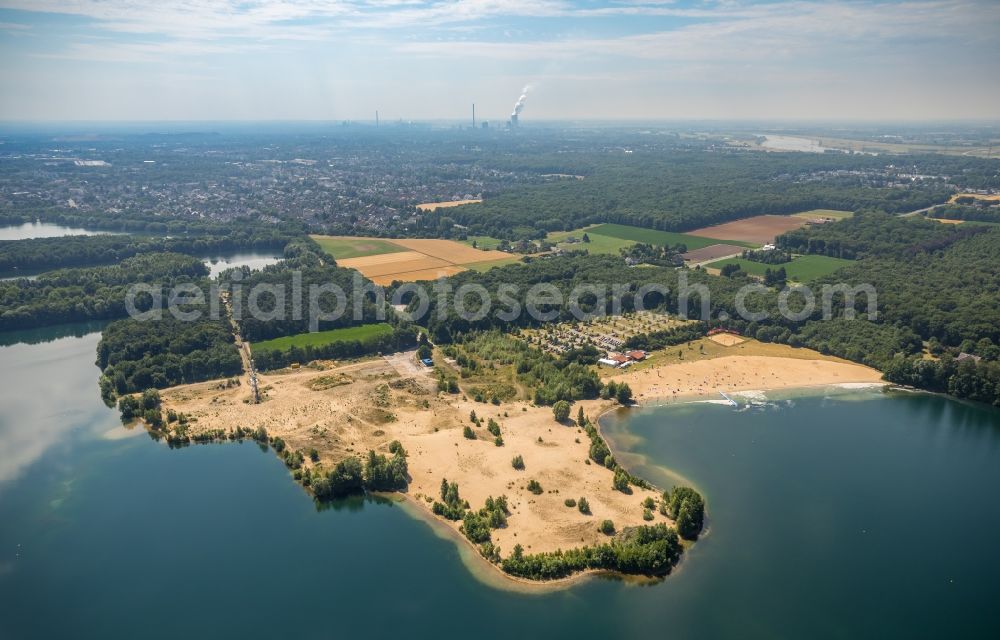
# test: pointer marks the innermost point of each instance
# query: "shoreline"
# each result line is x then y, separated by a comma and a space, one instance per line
712, 398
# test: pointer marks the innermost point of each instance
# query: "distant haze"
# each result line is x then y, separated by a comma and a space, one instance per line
416, 60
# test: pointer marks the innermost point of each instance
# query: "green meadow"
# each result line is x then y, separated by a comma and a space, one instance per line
319, 338
800, 269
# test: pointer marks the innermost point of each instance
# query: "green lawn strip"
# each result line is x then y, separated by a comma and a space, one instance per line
318, 338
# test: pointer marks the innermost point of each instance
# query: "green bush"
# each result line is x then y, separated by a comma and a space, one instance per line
561, 411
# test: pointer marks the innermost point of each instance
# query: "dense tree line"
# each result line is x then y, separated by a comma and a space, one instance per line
659, 255
873, 233
644, 550
43, 254
135, 355
687, 508
667, 337
95, 293
774, 256
350, 476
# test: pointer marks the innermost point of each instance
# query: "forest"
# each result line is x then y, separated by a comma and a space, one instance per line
680, 191
94, 293
134, 356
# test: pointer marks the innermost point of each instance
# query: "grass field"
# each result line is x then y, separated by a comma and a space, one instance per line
801, 269
324, 337
598, 243
486, 266
343, 247
651, 236
824, 213
483, 242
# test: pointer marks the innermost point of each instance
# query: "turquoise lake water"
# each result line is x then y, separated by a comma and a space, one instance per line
858, 515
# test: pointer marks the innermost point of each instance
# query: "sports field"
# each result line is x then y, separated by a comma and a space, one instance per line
407, 259
318, 338
800, 269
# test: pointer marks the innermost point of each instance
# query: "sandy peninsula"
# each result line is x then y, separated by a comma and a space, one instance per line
347, 409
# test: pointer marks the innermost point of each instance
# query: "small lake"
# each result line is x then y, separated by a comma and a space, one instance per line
43, 230
254, 261
850, 516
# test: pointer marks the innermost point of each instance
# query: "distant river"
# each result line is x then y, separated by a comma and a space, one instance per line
793, 143
856, 516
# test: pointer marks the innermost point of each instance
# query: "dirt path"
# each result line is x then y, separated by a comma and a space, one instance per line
249, 372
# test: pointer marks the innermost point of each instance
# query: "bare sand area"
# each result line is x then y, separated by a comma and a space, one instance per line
347, 409
727, 339
743, 373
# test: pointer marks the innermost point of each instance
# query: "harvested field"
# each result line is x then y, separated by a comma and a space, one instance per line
409, 260
713, 252
431, 206
758, 229
384, 258
451, 251
412, 261
420, 274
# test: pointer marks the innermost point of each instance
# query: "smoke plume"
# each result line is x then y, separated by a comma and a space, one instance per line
519, 105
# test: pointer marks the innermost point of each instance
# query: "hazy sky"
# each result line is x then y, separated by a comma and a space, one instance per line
414, 59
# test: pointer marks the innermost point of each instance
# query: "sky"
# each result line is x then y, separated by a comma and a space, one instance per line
120, 60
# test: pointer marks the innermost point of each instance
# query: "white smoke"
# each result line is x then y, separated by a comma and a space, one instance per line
519, 105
